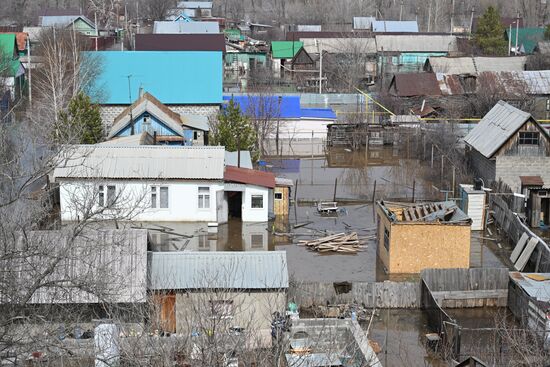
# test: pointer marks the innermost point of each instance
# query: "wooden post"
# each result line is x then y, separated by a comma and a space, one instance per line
374, 192
414, 188
432, 156
296, 192
454, 177
442, 161
335, 186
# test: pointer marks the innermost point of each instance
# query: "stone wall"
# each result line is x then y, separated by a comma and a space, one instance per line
509, 168
110, 112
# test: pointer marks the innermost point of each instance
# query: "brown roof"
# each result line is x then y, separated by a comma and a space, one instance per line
531, 181
414, 84
249, 176
147, 97
21, 38
180, 42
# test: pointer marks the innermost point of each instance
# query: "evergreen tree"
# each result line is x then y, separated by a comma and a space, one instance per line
81, 123
490, 34
234, 130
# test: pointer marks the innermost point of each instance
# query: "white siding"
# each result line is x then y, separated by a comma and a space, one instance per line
134, 201
475, 211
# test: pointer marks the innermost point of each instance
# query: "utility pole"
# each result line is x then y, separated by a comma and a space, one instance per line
30, 70
401, 11
320, 50
452, 15
471, 22
510, 40
429, 15
517, 31
96, 30
130, 97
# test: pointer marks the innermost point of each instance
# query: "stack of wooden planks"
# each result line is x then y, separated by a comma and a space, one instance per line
340, 242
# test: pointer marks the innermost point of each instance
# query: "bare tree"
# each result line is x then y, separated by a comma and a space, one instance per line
158, 9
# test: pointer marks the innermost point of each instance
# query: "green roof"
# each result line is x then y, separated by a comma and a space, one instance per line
285, 49
234, 34
527, 37
8, 47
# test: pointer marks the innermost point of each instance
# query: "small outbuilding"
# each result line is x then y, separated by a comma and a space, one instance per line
413, 237
281, 196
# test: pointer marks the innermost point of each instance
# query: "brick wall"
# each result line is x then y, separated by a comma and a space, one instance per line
509, 168
110, 112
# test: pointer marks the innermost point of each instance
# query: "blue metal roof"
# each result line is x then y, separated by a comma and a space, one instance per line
176, 77
285, 107
395, 26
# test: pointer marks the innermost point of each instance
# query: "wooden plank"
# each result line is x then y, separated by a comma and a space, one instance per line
524, 257
519, 247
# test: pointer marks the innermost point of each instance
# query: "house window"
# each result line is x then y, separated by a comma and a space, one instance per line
528, 138
204, 198
278, 196
387, 239
107, 195
159, 197
257, 240
195, 135
221, 309
257, 201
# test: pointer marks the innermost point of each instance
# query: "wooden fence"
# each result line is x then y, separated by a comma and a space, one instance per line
512, 225
369, 295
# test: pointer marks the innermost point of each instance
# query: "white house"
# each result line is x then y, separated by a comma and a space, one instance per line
159, 183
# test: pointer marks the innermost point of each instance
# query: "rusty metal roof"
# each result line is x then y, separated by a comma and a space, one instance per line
531, 181
415, 84
249, 176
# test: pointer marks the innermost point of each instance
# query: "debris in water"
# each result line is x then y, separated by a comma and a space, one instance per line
340, 242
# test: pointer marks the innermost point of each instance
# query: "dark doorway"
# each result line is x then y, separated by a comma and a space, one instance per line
545, 209
235, 201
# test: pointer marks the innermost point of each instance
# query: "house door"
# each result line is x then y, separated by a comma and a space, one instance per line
166, 310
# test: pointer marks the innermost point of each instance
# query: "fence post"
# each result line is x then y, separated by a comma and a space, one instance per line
414, 187
374, 193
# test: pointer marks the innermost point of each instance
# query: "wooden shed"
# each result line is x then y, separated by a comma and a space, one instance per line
413, 237
281, 196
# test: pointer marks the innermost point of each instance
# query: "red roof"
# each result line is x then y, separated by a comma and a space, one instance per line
21, 38
249, 176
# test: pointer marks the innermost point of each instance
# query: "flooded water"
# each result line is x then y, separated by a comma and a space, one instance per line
401, 335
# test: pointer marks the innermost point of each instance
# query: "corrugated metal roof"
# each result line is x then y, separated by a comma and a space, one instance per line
414, 84
363, 22
340, 45
232, 159
416, 43
110, 263
249, 176
543, 47
394, 26
198, 79
474, 65
495, 128
195, 4
308, 28
180, 42
137, 139
185, 27
63, 20
537, 289
217, 270
285, 49
295, 36
141, 162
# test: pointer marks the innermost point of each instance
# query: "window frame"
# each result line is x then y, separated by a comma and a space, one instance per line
529, 138
202, 197
252, 197
106, 195
278, 194
156, 193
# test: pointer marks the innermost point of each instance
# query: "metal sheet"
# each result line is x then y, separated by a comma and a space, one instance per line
217, 270
524, 257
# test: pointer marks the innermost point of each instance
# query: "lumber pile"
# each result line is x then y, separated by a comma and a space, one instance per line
341, 242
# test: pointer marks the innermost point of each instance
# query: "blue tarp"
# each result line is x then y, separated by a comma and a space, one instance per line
285, 107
